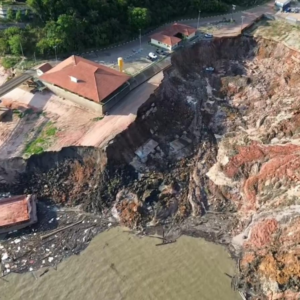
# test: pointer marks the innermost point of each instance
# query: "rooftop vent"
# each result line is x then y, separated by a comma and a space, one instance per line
74, 79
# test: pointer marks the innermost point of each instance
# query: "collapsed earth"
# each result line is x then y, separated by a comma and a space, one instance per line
211, 154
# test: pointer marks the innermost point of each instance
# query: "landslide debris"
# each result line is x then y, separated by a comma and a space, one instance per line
210, 154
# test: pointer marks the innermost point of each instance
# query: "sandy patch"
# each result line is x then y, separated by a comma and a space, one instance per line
70, 121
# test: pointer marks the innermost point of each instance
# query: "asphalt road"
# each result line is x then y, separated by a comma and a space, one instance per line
13, 83
127, 50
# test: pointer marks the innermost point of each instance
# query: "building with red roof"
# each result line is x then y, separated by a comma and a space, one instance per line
86, 82
170, 37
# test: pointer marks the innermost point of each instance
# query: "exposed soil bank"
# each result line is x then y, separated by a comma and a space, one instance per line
210, 154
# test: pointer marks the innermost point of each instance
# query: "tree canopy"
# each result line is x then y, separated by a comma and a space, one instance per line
73, 25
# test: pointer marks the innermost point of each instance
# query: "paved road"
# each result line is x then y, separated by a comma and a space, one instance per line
13, 83
110, 56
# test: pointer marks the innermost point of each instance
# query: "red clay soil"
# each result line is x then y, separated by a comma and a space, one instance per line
261, 234
14, 210
129, 213
279, 163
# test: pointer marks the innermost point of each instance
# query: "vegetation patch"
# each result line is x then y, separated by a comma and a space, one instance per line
78, 25
38, 145
9, 62
279, 31
97, 119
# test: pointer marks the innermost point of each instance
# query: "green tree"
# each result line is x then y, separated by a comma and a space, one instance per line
10, 31
9, 62
139, 17
27, 14
15, 44
4, 47
19, 16
10, 14
43, 46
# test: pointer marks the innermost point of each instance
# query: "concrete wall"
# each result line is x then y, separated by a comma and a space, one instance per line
191, 36
160, 44
117, 97
85, 103
149, 72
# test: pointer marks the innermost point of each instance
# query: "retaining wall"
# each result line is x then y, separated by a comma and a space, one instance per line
149, 72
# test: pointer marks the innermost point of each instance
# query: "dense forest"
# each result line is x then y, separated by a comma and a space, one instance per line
74, 25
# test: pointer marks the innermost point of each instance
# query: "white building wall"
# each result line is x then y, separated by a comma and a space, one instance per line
160, 44
191, 36
39, 73
281, 3
93, 106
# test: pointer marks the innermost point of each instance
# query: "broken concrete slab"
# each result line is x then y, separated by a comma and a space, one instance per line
146, 149
177, 145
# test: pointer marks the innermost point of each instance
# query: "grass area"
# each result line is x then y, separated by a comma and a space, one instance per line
9, 62
21, 114
28, 63
278, 30
97, 119
38, 145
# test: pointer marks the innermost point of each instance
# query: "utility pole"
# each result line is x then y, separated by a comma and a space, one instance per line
34, 56
21, 49
233, 9
140, 39
55, 53
242, 23
198, 22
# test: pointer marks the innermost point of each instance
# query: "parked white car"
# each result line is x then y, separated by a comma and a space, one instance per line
207, 35
210, 69
152, 55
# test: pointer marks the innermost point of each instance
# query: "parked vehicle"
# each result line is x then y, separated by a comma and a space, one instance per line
207, 35
210, 69
152, 55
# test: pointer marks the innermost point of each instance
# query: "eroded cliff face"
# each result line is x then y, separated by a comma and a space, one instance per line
211, 154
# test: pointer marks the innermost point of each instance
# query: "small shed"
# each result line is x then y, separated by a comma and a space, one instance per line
17, 212
40, 70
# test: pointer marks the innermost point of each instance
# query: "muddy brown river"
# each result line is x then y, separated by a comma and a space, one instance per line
120, 266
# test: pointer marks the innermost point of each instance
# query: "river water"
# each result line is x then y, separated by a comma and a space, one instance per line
120, 266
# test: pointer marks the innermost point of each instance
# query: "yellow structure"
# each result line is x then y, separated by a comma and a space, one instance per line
120, 64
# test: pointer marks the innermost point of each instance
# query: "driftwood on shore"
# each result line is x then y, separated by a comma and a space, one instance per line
60, 229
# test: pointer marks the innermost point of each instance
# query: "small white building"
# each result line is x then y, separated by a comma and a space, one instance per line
172, 36
40, 70
282, 3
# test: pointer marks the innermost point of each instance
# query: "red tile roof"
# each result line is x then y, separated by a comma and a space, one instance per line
14, 210
44, 67
167, 36
168, 40
95, 82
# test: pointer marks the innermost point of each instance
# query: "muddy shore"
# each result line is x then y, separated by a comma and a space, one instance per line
120, 265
